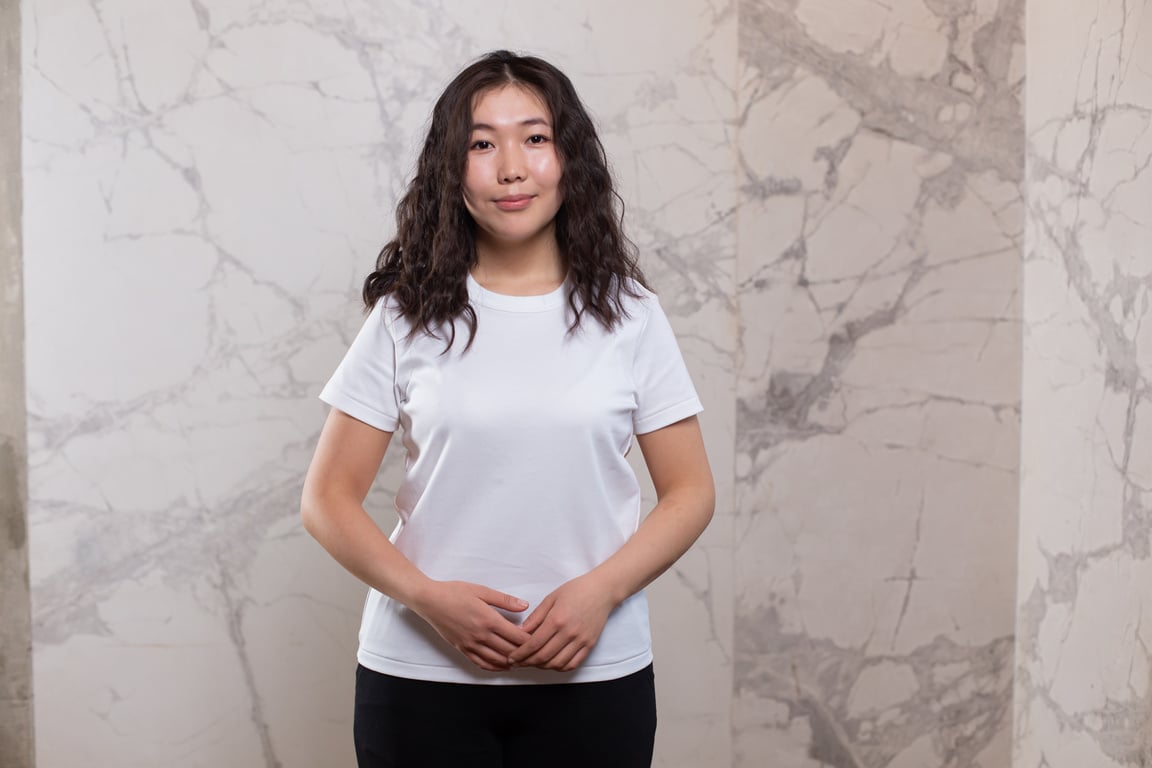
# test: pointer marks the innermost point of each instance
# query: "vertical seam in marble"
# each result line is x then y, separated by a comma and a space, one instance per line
738, 327
17, 742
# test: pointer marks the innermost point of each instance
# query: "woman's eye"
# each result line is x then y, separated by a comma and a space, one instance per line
537, 139
482, 144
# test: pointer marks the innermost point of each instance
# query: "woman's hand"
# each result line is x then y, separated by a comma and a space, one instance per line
565, 626
465, 615
567, 623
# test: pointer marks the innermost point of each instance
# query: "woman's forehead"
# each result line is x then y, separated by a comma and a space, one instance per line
511, 103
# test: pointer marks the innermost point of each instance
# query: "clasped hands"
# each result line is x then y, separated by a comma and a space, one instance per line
557, 635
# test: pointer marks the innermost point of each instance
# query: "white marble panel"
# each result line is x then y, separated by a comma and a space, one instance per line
878, 249
16, 695
206, 185
1083, 664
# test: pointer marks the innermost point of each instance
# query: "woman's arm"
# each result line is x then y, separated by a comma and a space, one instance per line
567, 623
347, 458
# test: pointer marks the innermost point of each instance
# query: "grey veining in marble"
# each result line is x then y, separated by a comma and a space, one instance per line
16, 726
878, 403
1083, 666
831, 197
227, 172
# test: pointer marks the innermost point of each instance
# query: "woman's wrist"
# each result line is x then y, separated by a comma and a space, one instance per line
414, 593
607, 584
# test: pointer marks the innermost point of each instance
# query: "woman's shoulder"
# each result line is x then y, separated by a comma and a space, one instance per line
638, 300
386, 311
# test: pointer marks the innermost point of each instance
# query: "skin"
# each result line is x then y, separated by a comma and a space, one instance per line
511, 153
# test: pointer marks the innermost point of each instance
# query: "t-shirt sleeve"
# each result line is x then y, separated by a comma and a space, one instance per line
664, 391
364, 384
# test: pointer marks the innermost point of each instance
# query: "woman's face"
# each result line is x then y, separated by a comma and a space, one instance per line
512, 177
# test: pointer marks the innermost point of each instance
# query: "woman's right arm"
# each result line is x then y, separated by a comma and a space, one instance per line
347, 458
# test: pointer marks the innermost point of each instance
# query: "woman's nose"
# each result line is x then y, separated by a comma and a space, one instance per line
511, 167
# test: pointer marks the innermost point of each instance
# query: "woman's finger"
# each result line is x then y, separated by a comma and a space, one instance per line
487, 658
534, 643
500, 599
501, 646
546, 653
537, 617
510, 633
564, 656
578, 659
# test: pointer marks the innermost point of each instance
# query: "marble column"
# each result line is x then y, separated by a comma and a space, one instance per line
1085, 563
208, 183
16, 733
878, 248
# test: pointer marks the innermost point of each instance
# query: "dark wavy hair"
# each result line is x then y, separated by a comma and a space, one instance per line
425, 266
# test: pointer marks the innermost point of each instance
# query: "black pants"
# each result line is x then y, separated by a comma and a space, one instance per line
402, 723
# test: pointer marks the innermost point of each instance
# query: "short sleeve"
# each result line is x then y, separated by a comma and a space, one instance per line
664, 390
364, 384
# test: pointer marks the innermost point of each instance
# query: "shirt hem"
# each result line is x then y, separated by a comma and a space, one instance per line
360, 412
668, 415
523, 676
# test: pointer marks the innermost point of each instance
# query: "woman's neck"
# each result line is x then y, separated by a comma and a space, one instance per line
522, 269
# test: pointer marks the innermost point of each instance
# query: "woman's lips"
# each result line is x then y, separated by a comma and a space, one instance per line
513, 202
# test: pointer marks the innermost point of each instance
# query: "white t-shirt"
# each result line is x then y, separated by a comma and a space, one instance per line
515, 475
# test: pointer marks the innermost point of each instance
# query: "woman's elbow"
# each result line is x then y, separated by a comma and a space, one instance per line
707, 503
311, 511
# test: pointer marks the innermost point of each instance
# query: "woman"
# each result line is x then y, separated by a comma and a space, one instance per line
511, 335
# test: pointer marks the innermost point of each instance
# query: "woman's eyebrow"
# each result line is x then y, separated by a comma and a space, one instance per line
529, 121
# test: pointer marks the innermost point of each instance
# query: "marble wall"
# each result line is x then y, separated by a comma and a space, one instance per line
879, 236
831, 197
1083, 665
16, 740
207, 184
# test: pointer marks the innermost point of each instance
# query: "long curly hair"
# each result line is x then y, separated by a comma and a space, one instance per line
425, 266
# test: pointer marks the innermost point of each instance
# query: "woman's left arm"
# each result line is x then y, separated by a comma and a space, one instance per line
568, 622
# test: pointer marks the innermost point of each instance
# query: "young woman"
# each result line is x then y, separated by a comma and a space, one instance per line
512, 338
